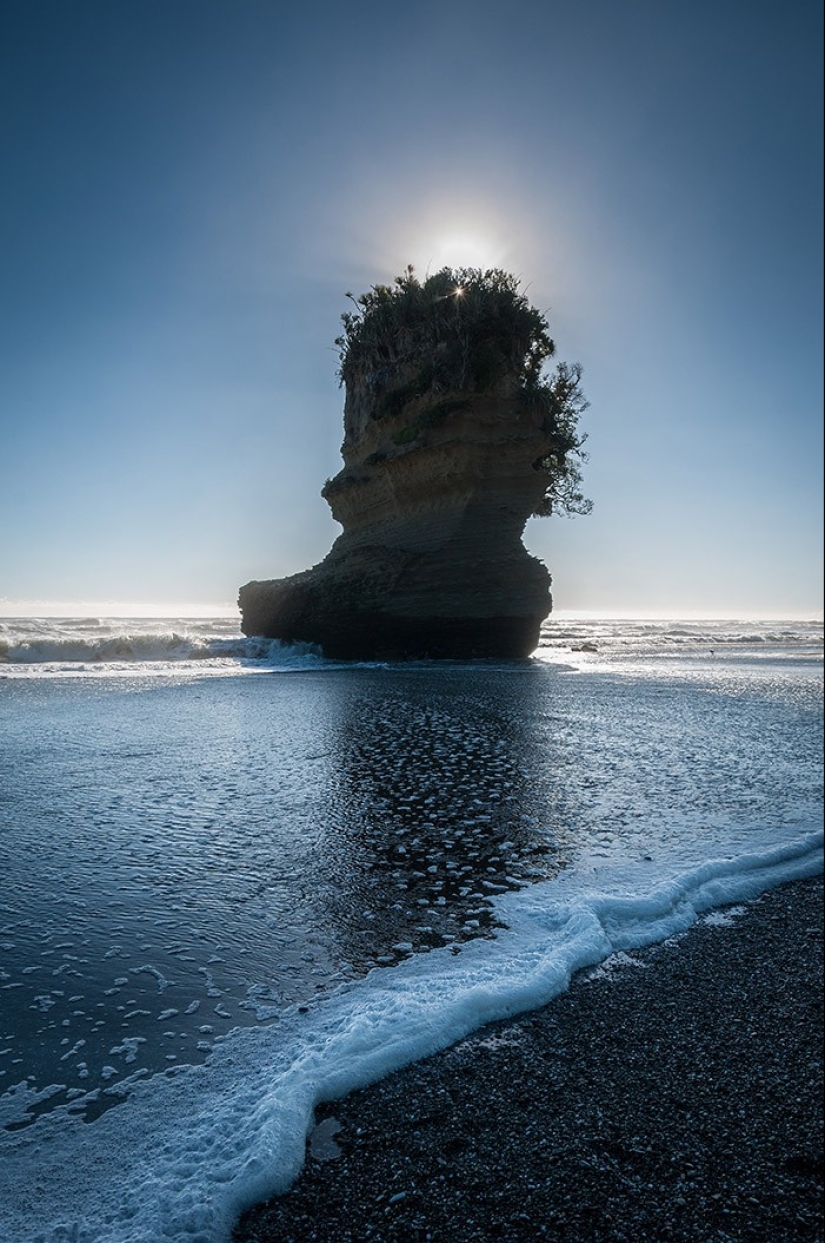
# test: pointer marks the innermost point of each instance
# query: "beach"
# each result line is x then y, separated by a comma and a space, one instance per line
242, 883
675, 1093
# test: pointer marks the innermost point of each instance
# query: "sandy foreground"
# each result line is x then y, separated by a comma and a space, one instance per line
672, 1094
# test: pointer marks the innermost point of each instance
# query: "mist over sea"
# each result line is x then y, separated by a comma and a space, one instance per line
239, 878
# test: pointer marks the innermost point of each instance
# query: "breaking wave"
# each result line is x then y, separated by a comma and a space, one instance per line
91, 645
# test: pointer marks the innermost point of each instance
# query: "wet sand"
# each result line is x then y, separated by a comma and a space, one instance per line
676, 1095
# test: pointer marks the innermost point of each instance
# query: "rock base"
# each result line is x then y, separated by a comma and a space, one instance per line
378, 604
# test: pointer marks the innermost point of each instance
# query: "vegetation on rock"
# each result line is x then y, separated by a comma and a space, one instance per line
466, 331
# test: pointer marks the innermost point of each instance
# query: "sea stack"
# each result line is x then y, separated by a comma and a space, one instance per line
452, 440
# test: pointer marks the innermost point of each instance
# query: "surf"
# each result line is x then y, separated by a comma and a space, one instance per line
187, 1152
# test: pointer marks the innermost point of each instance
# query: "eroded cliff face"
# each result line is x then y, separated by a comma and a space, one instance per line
433, 499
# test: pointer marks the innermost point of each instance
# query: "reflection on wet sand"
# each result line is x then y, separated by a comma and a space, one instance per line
439, 802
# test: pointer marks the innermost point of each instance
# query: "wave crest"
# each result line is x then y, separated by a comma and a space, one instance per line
149, 647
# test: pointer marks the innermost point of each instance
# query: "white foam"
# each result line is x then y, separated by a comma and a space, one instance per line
91, 647
98, 647
188, 1151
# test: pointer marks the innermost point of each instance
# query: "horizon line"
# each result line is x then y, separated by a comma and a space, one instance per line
11, 607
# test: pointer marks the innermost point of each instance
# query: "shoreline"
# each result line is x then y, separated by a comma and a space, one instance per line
674, 1093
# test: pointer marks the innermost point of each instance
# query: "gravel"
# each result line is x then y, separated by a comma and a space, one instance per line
673, 1094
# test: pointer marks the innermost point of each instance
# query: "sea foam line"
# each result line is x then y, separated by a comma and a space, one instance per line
182, 1157
159, 646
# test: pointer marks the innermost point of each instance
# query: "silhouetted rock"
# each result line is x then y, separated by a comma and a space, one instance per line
440, 476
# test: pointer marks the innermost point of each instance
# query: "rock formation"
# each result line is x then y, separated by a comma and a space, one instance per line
441, 472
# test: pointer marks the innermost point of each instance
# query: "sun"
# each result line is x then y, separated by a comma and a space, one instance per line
462, 249
445, 221
451, 232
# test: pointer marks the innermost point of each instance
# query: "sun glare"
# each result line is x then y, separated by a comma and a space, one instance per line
456, 228
462, 250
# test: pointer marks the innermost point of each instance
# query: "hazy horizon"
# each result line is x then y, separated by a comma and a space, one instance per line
107, 610
190, 191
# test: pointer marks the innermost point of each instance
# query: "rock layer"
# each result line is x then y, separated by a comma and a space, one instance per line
433, 500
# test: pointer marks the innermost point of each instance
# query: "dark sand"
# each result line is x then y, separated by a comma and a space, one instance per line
678, 1099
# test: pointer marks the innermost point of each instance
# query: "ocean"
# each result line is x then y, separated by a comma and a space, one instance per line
239, 879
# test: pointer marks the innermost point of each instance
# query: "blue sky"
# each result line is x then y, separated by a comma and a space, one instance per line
190, 187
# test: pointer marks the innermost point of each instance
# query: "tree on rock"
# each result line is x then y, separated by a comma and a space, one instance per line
464, 331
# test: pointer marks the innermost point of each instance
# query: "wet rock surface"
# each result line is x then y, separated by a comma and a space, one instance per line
675, 1096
